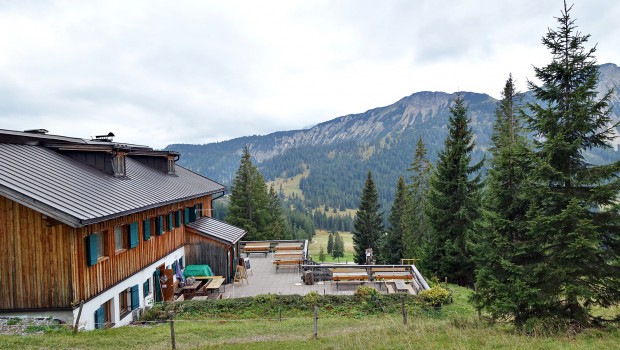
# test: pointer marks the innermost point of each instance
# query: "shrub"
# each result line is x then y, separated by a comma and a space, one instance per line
436, 296
269, 299
312, 298
365, 293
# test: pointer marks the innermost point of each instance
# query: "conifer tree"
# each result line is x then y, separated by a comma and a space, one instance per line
575, 213
416, 230
368, 224
505, 247
392, 249
321, 255
338, 250
277, 225
330, 242
454, 202
249, 201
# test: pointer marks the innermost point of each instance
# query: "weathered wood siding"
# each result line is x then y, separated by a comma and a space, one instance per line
200, 250
44, 263
35, 265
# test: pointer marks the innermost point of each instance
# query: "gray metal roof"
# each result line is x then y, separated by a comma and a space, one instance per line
217, 229
78, 194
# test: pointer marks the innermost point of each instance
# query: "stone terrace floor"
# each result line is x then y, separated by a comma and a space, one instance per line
263, 279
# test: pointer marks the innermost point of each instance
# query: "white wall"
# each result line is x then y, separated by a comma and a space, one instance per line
87, 319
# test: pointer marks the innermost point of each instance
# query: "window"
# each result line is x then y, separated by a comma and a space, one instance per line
118, 164
171, 169
128, 300
121, 238
96, 247
159, 225
177, 219
199, 210
103, 315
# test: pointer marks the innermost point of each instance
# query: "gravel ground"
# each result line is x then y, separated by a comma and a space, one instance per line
26, 325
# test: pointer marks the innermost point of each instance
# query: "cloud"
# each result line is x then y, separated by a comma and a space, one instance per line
160, 72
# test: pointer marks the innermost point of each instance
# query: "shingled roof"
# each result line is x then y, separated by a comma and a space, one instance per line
77, 194
218, 230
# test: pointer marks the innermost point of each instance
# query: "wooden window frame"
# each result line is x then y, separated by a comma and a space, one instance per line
124, 236
124, 303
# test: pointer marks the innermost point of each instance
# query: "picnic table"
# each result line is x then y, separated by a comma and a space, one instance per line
215, 283
288, 254
190, 290
295, 262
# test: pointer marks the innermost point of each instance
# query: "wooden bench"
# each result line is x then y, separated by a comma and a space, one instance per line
349, 275
249, 248
394, 275
288, 246
293, 262
288, 254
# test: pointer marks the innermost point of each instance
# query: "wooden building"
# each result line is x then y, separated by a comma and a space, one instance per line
91, 222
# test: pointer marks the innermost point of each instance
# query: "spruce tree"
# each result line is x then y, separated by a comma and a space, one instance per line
575, 212
368, 224
453, 205
330, 242
321, 255
416, 230
505, 249
393, 247
277, 224
249, 201
338, 250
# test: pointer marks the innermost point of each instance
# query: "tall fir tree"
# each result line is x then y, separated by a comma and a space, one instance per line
416, 230
338, 249
368, 224
505, 248
330, 242
277, 225
454, 203
575, 213
249, 201
393, 247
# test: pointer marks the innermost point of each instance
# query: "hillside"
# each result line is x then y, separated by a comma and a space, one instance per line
338, 153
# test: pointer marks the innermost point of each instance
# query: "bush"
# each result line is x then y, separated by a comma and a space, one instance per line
312, 298
365, 293
269, 299
436, 296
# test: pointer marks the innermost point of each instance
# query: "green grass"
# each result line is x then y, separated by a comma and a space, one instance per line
289, 185
351, 325
320, 239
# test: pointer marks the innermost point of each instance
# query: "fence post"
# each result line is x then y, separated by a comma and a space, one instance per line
477, 308
404, 310
172, 337
77, 321
316, 321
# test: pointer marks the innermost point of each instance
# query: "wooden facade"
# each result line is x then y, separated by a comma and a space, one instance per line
202, 250
45, 262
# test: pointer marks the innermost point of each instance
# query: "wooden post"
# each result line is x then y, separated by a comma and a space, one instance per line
446, 280
279, 313
404, 310
172, 337
316, 321
77, 320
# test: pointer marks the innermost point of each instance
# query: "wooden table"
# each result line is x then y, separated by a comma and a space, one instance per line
288, 254
190, 291
215, 283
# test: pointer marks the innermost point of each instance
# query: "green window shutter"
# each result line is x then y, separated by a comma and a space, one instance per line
179, 218
186, 215
145, 288
135, 297
146, 229
159, 225
133, 235
192, 214
99, 321
91, 249
170, 222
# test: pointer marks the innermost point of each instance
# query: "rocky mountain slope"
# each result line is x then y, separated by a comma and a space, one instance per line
339, 152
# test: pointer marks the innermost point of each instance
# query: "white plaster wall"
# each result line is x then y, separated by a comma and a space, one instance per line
87, 319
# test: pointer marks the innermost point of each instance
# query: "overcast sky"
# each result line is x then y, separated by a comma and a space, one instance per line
162, 72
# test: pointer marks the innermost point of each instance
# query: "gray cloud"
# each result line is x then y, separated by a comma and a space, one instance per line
199, 71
